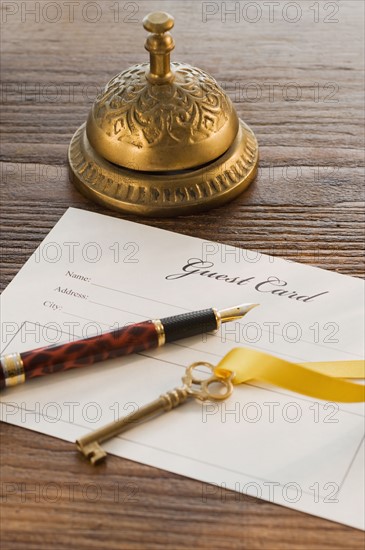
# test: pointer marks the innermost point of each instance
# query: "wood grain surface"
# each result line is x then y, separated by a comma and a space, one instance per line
295, 76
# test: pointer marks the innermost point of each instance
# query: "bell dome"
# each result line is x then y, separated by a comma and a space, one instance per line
186, 122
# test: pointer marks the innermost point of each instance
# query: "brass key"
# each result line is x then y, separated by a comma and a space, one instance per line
193, 387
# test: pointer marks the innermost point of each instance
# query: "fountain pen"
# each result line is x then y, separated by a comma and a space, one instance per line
17, 368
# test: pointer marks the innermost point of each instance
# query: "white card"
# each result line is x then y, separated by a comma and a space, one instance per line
94, 272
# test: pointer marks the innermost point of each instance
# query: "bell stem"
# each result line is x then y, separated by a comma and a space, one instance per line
159, 43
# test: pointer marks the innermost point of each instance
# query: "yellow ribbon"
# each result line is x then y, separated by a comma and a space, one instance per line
319, 380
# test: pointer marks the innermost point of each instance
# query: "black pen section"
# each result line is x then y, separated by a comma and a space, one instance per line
189, 324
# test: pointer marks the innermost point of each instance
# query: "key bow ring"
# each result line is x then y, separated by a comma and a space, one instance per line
212, 388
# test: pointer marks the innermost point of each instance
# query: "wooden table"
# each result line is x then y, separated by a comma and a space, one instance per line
299, 86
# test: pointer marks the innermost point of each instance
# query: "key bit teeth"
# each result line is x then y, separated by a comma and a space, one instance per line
97, 457
93, 452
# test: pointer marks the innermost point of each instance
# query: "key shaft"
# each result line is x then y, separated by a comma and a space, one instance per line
89, 445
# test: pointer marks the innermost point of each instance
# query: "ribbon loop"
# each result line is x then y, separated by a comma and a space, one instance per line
318, 380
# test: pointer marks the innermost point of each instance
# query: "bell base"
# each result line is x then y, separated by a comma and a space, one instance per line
164, 194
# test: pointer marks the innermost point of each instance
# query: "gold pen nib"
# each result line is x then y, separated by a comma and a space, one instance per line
236, 312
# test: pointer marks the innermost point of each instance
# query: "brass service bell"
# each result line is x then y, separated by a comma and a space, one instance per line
163, 139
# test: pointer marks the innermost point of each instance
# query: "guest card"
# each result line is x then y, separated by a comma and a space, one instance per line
93, 273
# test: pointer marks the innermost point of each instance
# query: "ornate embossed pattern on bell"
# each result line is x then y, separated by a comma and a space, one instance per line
152, 127
163, 138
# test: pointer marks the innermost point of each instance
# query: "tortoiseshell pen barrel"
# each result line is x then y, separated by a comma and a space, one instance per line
16, 368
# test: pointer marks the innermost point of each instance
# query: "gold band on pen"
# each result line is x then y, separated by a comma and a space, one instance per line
217, 316
13, 369
160, 332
